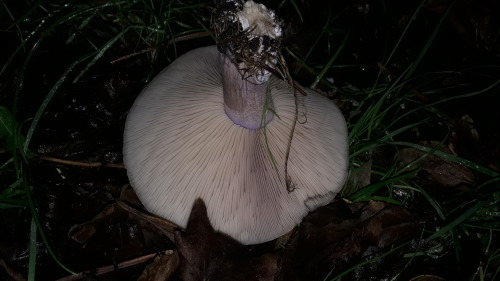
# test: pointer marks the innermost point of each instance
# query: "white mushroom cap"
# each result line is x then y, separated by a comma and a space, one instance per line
179, 145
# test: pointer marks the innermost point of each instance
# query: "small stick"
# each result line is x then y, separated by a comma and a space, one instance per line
110, 268
79, 163
188, 37
386, 71
164, 226
133, 54
299, 89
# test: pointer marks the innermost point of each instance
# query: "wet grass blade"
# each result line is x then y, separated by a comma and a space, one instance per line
369, 261
365, 194
302, 61
33, 251
39, 227
437, 207
46, 100
453, 224
429, 42
330, 62
384, 139
297, 10
99, 54
412, 19
376, 111
454, 158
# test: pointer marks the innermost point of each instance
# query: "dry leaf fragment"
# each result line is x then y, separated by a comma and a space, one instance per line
436, 171
340, 234
207, 255
162, 268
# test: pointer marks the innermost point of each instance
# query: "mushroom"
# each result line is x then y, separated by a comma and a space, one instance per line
215, 127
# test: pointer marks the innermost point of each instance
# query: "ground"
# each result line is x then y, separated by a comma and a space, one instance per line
418, 83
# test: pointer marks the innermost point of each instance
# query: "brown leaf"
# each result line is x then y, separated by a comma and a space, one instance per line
120, 211
436, 171
340, 233
83, 232
162, 268
207, 255
12, 273
464, 140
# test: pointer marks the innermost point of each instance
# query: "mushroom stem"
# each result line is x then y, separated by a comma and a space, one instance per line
249, 37
246, 100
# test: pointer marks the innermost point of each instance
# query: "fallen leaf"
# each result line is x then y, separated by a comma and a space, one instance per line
338, 234
207, 255
436, 171
162, 268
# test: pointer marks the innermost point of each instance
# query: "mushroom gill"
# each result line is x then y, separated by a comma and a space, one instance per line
182, 141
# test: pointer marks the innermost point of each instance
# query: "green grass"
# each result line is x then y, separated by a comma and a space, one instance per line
386, 114
148, 27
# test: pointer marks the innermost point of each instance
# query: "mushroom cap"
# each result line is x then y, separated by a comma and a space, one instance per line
179, 145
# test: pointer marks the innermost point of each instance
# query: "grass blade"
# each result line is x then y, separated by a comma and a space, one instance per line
39, 227
428, 44
449, 227
369, 261
450, 157
46, 100
412, 19
365, 193
330, 62
33, 251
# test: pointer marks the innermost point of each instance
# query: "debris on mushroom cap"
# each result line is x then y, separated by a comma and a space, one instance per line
258, 20
250, 35
180, 145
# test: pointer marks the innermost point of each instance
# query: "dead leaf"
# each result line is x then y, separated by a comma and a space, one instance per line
117, 212
464, 140
162, 268
10, 272
340, 233
436, 171
207, 255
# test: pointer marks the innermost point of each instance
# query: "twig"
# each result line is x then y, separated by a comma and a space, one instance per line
111, 268
188, 37
79, 163
133, 54
165, 227
16, 276
297, 87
